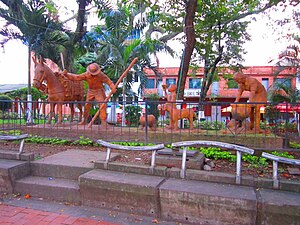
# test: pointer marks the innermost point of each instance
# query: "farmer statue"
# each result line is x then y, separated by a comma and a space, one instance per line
258, 94
95, 79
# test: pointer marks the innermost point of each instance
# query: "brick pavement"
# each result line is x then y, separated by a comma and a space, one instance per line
15, 215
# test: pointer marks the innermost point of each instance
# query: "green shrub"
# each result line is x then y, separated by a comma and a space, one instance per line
207, 125
5, 103
132, 115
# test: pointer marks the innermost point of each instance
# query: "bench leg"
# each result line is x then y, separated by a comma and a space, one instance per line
183, 164
107, 158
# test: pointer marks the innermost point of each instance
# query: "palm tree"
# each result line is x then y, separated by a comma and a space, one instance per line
283, 93
119, 41
36, 29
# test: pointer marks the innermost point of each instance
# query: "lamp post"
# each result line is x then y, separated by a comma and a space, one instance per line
29, 119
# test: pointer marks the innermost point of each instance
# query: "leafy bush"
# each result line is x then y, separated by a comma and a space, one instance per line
216, 153
283, 154
216, 125
132, 115
83, 141
294, 145
8, 115
5, 103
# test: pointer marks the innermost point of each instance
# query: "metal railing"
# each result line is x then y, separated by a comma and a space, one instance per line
279, 123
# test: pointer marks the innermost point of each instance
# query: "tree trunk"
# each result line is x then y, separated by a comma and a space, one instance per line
190, 10
79, 33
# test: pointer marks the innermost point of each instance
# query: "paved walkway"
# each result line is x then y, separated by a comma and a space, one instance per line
15, 215
18, 210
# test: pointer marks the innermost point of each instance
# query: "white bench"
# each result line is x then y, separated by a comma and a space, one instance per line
110, 146
239, 150
20, 138
275, 160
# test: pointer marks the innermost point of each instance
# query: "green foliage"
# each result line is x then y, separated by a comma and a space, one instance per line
294, 145
283, 154
216, 153
43, 140
21, 93
132, 115
10, 132
6, 117
255, 161
5, 103
231, 83
207, 125
272, 113
153, 103
130, 143
36, 27
83, 141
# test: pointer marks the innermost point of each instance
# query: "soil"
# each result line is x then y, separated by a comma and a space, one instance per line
44, 150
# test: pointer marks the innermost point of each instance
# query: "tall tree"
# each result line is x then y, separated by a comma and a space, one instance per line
118, 40
218, 27
35, 28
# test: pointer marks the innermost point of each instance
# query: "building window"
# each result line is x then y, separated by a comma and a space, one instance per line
170, 81
150, 84
265, 83
194, 83
283, 81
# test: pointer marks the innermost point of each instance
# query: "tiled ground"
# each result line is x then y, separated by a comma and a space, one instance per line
14, 215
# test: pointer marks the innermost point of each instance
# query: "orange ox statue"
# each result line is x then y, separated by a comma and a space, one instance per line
151, 122
177, 114
59, 89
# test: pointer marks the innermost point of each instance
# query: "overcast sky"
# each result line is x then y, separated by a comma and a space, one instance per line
262, 48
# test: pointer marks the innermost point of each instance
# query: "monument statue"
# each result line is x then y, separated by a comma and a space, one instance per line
258, 94
177, 114
58, 88
171, 98
151, 121
95, 79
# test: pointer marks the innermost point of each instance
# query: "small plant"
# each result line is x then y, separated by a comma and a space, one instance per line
294, 145
132, 115
206, 125
5, 103
216, 153
131, 143
283, 154
83, 141
255, 161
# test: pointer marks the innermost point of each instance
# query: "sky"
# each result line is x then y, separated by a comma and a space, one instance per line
262, 48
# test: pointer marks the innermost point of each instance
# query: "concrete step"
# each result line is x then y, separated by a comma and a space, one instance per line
10, 170
14, 154
51, 188
68, 164
201, 202
127, 192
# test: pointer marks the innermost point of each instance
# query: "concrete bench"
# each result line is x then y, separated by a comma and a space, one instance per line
275, 160
110, 146
20, 138
239, 150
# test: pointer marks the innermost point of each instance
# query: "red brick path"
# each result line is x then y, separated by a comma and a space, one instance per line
12, 215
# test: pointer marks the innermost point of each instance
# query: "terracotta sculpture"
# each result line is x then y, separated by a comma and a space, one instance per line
58, 88
239, 114
95, 79
177, 114
171, 98
151, 121
258, 94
